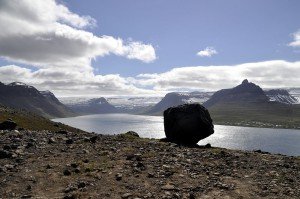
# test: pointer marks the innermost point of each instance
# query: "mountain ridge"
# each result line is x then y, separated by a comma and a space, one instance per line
22, 96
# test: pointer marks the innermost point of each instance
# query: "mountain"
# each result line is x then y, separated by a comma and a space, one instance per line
92, 106
21, 96
246, 92
281, 95
31, 121
177, 98
248, 105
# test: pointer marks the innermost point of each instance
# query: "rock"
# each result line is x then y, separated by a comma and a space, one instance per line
8, 125
62, 132
187, 124
168, 187
69, 141
51, 140
5, 154
118, 176
94, 139
132, 134
126, 195
67, 172
26, 196
81, 185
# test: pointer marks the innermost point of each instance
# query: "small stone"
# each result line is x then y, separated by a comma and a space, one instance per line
26, 196
5, 154
28, 187
94, 139
70, 188
77, 170
168, 187
69, 141
8, 125
51, 140
74, 165
67, 172
62, 132
126, 195
81, 185
118, 176
150, 175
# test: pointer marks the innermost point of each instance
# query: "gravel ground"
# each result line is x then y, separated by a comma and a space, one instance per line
43, 164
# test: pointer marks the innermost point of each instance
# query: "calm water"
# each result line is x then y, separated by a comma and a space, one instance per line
284, 141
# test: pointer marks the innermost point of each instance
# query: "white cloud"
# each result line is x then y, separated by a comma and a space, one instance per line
296, 42
64, 82
268, 74
47, 34
207, 52
71, 83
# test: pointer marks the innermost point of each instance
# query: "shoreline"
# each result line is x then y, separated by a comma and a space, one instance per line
239, 124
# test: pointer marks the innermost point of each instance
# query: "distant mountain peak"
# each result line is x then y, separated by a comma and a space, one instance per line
20, 95
245, 81
20, 84
246, 92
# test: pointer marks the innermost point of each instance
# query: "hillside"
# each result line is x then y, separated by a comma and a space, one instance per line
22, 96
248, 105
31, 121
93, 106
175, 99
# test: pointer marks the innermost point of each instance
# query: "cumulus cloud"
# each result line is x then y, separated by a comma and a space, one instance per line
207, 52
47, 34
71, 83
296, 42
268, 74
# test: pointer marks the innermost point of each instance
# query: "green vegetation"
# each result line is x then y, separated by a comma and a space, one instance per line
271, 114
31, 121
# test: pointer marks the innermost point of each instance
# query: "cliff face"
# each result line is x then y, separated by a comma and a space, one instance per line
22, 96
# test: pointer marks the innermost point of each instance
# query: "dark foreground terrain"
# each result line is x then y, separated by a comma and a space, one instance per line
43, 164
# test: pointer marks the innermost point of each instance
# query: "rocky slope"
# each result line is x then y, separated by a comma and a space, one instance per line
29, 120
282, 96
44, 164
22, 96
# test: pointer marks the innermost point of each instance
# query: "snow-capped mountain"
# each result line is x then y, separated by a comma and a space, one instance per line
22, 96
282, 96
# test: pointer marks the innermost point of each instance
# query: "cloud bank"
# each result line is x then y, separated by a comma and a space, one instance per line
47, 34
296, 42
207, 52
268, 74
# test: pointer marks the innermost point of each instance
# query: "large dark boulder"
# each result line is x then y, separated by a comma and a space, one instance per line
8, 125
187, 124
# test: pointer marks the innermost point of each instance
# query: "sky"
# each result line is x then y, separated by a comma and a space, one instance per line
137, 47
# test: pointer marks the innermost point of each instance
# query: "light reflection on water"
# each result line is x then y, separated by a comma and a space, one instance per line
284, 141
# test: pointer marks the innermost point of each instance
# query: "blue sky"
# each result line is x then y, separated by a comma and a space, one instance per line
241, 31
138, 47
